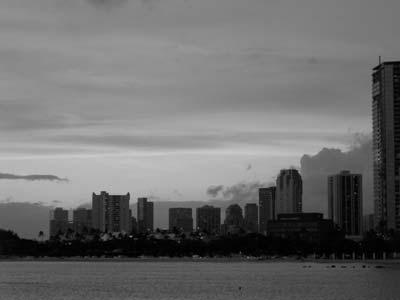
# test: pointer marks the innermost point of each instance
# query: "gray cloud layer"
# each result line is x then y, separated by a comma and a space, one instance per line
34, 177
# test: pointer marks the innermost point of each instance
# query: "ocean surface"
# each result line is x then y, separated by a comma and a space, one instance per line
31, 280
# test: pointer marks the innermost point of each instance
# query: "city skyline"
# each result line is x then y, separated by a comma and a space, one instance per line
125, 96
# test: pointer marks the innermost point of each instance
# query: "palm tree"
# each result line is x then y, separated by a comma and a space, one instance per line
41, 236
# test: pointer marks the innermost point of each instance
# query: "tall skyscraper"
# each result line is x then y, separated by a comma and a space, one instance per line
345, 201
145, 215
266, 201
251, 217
82, 220
58, 221
386, 144
181, 219
110, 213
289, 191
208, 218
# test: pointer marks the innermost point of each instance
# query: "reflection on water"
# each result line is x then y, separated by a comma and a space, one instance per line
196, 280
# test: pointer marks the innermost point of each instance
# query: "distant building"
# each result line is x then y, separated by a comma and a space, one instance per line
181, 219
134, 225
208, 219
233, 219
145, 215
305, 226
110, 213
82, 220
345, 202
386, 144
251, 217
289, 192
266, 201
368, 223
59, 223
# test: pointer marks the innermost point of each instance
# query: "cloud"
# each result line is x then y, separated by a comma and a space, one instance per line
316, 168
214, 190
106, 3
34, 177
239, 193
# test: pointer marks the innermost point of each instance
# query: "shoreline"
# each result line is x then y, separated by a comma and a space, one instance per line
199, 260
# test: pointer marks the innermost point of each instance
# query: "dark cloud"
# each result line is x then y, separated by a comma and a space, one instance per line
214, 190
106, 3
34, 177
316, 168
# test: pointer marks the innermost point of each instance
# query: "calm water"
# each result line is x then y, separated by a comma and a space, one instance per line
195, 280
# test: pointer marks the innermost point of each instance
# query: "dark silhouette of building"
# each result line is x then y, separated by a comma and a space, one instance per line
345, 201
289, 191
145, 215
110, 213
233, 219
368, 222
134, 225
266, 201
208, 219
386, 144
305, 226
251, 217
82, 220
181, 219
59, 223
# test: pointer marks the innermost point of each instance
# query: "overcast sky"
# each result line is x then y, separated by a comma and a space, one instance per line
167, 97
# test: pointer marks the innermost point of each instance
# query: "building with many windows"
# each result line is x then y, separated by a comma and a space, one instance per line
251, 217
266, 204
110, 213
59, 223
345, 202
208, 218
181, 219
386, 144
145, 215
289, 192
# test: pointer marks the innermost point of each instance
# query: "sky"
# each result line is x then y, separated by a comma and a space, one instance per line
165, 98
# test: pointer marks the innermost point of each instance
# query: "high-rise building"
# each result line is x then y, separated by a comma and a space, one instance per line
251, 217
58, 221
110, 213
289, 191
145, 215
82, 220
234, 222
386, 144
181, 219
368, 223
266, 201
208, 219
345, 201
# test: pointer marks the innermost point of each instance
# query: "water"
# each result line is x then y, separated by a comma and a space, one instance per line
196, 280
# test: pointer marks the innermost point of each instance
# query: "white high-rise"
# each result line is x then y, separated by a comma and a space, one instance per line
289, 192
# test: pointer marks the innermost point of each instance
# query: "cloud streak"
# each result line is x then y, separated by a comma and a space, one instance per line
33, 177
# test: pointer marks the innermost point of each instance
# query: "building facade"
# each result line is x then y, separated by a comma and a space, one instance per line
345, 202
82, 220
181, 219
59, 223
251, 217
208, 218
110, 213
145, 215
234, 221
386, 144
289, 192
304, 226
266, 201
